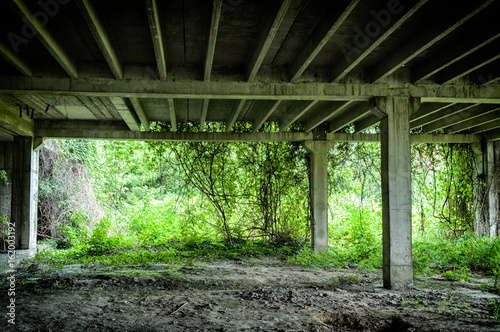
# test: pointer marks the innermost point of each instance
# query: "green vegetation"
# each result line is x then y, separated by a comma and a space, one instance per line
144, 202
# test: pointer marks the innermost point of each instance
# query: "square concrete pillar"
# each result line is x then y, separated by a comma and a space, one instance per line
6, 187
481, 213
24, 192
493, 169
319, 194
396, 192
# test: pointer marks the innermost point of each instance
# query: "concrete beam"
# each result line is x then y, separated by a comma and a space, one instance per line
212, 39
141, 113
127, 115
454, 53
319, 193
424, 40
428, 109
396, 194
366, 123
322, 33
299, 109
268, 31
204, 112
353, 58
471, 63
233, 115
352, 113
228, 89
45, 126
48, 40
76, 133
474, 118
265, 112
171, 111
437, 117
459, 116
101, 36
15, 61
14, 120
326, 113
487, 126
117, 130
157, 37
493, 135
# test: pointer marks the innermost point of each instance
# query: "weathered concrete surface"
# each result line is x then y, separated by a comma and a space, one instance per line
319, 194
481, 213
493, 169
24, 192
396, 193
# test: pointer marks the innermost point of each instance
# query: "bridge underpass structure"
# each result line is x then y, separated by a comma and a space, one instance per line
424, 71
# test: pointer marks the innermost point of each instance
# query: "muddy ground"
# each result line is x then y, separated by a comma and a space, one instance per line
244, 295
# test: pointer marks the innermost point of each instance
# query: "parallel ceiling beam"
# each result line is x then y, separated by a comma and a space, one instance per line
454, 53
268, 31
265, 112
173, 117
366, 123
485, 114
157, 36
298, 110
127, 115
439, 115
424, 40
102, 37
22, 66
212, 39
322, 33
458, 117
235, 112
352, 113
469, 93
428, 109
350, 60
471, 63
489, 126
49, 40
493, 135
325, 113
141, 113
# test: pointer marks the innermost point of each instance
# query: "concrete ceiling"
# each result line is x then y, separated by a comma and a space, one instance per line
132, 62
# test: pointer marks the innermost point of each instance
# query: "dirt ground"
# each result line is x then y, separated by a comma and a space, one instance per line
244, 295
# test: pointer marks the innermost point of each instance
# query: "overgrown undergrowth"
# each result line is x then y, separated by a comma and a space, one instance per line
454, 259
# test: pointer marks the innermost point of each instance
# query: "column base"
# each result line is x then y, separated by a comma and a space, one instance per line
398, 277
20, 254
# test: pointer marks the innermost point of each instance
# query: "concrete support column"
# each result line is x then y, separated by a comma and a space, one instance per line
319, 194
479, 194
6, 188
493, 169
24, 192
396, 192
